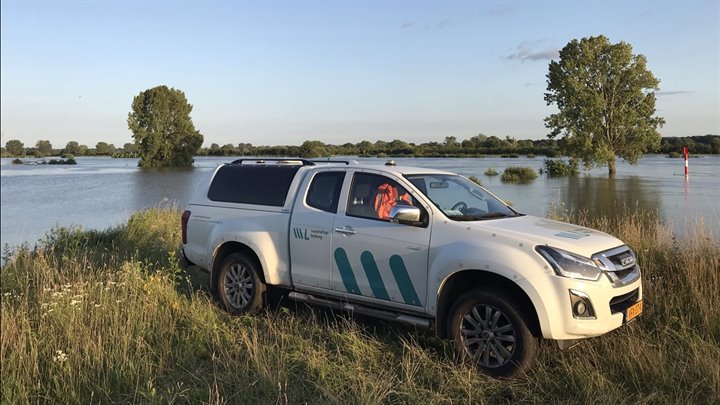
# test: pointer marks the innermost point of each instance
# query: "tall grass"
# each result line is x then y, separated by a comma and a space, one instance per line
111, 317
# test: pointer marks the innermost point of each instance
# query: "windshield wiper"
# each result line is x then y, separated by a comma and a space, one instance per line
491, 215
470, 217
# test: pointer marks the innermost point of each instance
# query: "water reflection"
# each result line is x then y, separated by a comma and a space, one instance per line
161, 186
608, 197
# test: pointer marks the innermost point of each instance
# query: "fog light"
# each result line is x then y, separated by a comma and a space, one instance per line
580, 308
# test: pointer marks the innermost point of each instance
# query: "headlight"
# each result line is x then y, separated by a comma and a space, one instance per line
570, 265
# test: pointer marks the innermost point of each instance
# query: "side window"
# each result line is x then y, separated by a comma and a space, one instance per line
372, 196
252, 184
324, 191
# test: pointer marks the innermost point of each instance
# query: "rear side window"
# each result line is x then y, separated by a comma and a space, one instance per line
324, 191
246, 184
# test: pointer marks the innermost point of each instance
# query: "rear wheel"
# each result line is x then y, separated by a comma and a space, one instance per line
240, 287
490, 333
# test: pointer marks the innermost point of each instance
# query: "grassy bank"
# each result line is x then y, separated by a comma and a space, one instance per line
111, 317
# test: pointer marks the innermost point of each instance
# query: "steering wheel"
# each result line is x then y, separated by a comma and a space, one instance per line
460, 205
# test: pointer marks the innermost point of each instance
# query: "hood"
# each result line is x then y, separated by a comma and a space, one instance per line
541, 231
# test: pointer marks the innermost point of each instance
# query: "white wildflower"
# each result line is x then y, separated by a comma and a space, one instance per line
59, 356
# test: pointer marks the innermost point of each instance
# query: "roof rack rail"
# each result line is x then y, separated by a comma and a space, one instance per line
347, 162
260, 161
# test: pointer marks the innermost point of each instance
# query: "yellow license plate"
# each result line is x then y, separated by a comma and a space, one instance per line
633, 311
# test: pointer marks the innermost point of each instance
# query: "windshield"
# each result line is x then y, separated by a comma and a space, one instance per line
459, 198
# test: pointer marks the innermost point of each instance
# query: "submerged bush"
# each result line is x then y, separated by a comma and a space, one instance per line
491, 172
475, 180
561, 168
517, 174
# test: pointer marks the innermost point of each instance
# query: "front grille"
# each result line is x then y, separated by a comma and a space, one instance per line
619, 265
623, 302
621, 274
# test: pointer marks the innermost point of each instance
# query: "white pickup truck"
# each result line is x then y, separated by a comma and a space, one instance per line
413, 245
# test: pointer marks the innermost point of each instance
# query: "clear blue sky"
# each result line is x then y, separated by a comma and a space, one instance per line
282, 72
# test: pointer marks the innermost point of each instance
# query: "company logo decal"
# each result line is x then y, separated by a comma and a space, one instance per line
301, 233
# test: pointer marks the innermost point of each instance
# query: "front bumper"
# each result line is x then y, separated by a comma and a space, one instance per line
554, 305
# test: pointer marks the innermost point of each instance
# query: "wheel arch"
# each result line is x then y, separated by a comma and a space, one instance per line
459, 282
225, 250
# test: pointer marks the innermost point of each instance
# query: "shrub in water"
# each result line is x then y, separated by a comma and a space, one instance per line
491, 172
475, 180
516, 174
560, 168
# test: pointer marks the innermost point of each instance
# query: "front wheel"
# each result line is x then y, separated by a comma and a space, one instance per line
491, 334
240, 287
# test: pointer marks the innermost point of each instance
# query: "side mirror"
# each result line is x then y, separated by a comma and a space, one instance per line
405, 214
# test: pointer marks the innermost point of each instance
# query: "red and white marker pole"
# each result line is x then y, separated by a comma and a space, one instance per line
685, 155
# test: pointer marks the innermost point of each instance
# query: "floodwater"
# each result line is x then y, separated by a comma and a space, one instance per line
101, 192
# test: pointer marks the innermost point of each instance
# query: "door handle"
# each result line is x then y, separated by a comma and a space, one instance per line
345, 231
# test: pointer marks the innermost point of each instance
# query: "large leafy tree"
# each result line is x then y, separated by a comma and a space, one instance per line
606, 100
44, 147
15, 147
162, 128
103, 148
313, 149
71, 148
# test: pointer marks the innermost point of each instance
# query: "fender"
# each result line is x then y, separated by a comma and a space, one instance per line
506, 260
269, 243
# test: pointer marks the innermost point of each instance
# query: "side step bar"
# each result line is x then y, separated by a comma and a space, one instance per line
358, 309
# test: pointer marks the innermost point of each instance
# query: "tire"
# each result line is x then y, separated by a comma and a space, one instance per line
491, 334
240, 288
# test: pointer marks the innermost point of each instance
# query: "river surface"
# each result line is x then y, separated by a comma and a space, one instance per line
101, 192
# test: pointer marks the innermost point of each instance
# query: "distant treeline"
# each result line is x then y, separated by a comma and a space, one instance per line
477, 145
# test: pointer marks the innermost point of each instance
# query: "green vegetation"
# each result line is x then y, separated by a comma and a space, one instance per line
110, 316
560, 168
476, 146
516, 174
14, 147
604, 94
162, 128
69, 161
475, 180
491, 172
43, 148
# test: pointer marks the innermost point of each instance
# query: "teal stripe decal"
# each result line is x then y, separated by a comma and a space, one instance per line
403, 281
346, 273
373, 275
